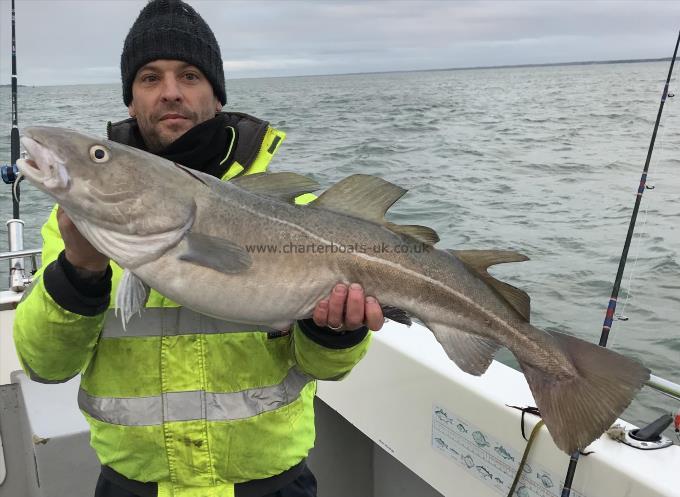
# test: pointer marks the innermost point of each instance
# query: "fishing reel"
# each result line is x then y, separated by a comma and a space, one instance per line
9, 173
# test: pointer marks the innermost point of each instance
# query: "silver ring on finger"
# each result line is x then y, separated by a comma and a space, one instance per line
334, 328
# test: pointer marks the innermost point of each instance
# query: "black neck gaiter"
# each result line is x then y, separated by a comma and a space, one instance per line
203, 147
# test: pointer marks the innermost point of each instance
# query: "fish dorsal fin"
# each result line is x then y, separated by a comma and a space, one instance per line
483, 259
420, 233
284, 185
369, 197
480, 260
361, 195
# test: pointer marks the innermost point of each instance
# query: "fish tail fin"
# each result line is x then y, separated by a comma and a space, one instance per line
578, 408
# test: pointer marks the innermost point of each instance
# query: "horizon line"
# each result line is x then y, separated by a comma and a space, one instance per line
393, 71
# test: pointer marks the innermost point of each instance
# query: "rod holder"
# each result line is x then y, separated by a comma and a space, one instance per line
17, 273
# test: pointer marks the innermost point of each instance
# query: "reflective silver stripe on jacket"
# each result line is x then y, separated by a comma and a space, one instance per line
163, 321
191, 405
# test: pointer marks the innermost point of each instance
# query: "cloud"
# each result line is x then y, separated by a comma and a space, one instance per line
62, 41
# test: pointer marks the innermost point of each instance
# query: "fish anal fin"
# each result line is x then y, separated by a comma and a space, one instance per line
480, 260
282, 185
471, 353
421, 233
215, 253
579, 408
361, 195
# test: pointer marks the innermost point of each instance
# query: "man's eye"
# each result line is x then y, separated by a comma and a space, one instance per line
191, 76
148, 78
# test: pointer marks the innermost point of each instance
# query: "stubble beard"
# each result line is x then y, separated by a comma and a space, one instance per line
156, 139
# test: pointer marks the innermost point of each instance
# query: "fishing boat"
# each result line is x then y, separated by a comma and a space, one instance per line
422, 429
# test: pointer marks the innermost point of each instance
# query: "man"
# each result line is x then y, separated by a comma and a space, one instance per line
183, 405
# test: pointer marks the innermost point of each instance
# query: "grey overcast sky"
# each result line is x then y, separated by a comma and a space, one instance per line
79, 41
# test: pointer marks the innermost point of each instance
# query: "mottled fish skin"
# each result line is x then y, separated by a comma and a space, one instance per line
186, 234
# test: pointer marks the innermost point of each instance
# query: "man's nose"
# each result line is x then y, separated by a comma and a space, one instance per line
170, 90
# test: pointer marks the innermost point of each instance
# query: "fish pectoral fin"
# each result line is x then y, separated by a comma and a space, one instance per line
420, 233
396, 314
131, 296
283, 185
471, 353
361, 195
214, 253
480, 260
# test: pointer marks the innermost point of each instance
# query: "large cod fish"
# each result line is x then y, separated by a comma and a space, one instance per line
190, 236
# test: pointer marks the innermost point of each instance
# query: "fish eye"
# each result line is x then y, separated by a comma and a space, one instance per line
99, 153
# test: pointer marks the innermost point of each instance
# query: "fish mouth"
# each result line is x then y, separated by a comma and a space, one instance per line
43, 167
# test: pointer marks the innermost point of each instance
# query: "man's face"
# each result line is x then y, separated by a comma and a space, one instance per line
169, 97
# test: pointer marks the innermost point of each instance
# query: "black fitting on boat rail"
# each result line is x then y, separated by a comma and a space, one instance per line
652, 432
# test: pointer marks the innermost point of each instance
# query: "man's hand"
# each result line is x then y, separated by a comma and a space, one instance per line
348, 309
79, 252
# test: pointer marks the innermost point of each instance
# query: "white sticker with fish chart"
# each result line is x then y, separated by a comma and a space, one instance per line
488, 459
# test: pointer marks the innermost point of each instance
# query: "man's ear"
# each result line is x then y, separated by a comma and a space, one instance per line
131, 109
218, 105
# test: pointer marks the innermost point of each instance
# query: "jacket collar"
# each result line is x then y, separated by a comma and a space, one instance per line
250, 133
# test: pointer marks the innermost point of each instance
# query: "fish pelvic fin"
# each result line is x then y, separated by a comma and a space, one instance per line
577, 409
131, 296
479, 262
471, 353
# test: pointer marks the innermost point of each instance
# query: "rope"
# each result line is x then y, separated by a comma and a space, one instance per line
532, 438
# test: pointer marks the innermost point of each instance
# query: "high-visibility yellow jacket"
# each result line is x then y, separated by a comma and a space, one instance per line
188, 401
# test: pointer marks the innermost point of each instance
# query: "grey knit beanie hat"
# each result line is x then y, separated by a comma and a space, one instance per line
171, 29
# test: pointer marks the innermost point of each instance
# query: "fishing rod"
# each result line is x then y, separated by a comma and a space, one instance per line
611, 308
9, 173
14, 136
15, 226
